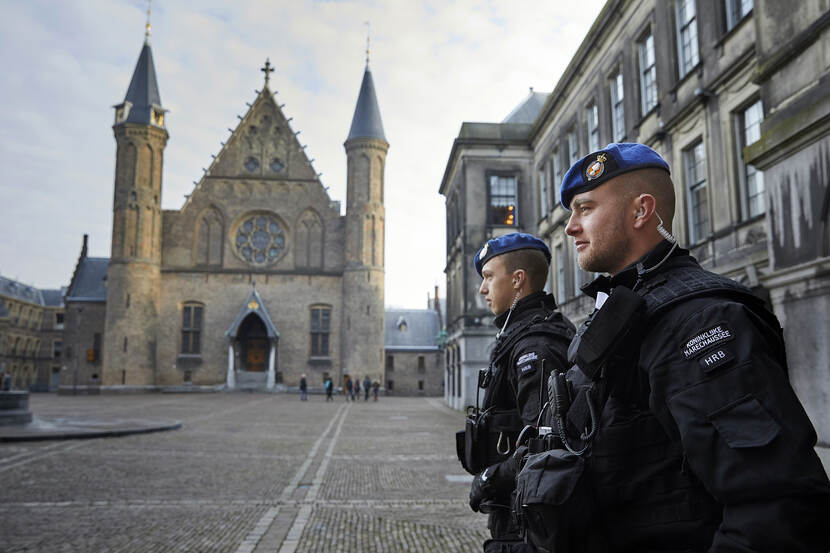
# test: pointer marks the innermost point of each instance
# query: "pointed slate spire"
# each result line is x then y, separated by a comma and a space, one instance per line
142, 104
366, 122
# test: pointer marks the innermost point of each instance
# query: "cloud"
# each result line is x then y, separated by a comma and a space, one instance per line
435, 64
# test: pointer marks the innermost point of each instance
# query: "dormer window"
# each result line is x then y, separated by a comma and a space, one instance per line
401, 324
158, 117
122, 111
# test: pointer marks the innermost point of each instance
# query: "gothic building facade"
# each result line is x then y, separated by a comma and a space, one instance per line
735, 95
256, 280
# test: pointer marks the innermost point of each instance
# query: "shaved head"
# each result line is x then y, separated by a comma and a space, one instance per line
655, 182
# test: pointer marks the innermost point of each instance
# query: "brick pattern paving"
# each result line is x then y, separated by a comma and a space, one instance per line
247, 473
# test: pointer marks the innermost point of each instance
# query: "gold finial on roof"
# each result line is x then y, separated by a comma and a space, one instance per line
147, 26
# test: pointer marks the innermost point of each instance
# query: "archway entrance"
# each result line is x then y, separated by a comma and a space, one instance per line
253, 344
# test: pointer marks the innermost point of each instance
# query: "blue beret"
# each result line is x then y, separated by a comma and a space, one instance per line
613, 160
508, 243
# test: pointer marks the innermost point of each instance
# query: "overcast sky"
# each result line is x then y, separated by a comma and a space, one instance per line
435, 64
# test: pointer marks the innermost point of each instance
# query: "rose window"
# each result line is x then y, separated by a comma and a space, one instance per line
260, 239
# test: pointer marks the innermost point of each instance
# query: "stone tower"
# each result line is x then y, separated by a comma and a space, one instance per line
134, 277
363, 274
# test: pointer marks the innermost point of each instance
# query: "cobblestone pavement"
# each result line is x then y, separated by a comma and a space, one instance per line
247, 473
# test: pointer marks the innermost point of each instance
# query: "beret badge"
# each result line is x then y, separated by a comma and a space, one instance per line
596, 169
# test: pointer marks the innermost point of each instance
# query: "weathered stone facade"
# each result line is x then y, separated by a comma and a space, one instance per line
257, 279
31, 335
736, 97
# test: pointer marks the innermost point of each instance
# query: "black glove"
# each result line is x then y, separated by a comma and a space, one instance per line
481, 488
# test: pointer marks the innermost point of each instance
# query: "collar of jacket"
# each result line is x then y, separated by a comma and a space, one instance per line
628, 276
531, 302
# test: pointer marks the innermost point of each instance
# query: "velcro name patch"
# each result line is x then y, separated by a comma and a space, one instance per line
527, 357
710, 337
715, 359
523, 369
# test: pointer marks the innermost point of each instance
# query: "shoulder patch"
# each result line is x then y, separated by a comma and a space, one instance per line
715, 359
525, 368
705, 339
527, 357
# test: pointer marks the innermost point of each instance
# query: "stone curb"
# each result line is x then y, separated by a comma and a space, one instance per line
24, 434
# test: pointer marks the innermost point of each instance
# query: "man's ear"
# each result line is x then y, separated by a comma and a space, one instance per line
519, 279
644, 207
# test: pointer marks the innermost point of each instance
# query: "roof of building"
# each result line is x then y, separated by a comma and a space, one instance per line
253, 304
411, 329
143, 92
53, 298
528, 109
366, 122
20, 291
90, 280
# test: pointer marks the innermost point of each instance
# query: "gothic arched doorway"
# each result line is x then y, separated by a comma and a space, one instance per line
253, 344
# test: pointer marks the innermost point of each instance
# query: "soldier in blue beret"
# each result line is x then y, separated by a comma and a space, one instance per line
532, 340
694, 437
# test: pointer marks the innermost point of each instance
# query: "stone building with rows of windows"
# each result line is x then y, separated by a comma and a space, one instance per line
735, 95
31, 335
256, 280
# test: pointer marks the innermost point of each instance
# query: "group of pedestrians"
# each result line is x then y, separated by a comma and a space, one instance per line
351, 388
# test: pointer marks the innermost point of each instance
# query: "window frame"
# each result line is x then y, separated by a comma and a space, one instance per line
592, 125
686, 63
319, 337
733, 16
491, 218
648, 92
616, 91
699, 230
189, 330
746, 172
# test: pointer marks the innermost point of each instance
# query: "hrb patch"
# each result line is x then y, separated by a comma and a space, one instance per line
712, 336
715, 359
526, 368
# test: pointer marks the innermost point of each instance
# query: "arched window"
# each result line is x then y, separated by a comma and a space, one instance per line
209, 237
309, 241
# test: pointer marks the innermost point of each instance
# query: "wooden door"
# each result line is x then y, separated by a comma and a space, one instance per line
256, 351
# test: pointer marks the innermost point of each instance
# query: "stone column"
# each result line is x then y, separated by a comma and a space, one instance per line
271, 376
231, 379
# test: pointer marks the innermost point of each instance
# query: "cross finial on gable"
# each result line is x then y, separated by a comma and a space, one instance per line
268, 69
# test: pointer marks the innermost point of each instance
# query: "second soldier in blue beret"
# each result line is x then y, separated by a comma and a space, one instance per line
532, 340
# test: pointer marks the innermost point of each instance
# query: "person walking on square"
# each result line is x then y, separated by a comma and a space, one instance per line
329, 389
375, 387
356, 388
348, 388
303, 388
366, 385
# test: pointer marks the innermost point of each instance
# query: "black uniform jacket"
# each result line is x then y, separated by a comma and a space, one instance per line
520, 376
703, 444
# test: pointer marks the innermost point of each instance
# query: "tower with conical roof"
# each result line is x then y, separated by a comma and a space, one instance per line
134, 277
363, 275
